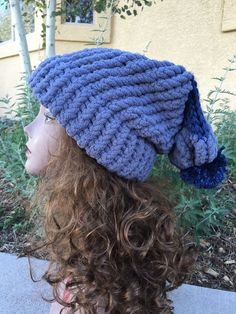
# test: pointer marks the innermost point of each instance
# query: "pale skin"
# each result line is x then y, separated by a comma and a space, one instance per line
56, 307
43, 133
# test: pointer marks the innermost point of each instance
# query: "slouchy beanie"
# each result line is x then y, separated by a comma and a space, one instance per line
124, 109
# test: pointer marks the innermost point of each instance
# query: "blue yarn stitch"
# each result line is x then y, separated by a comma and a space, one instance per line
206, 176
124, 108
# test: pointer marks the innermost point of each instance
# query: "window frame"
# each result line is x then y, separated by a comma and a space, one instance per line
10, 47
229, 16
83, 31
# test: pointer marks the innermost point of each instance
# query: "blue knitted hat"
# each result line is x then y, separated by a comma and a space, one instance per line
124, 108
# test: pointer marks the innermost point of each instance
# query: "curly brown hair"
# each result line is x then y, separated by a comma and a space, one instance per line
117, 239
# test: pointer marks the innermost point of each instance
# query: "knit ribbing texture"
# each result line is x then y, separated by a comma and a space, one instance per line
124, 108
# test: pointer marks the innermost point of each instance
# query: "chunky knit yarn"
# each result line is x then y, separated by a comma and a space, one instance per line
124, 108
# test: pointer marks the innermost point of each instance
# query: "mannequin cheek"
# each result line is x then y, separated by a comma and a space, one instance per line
53, 141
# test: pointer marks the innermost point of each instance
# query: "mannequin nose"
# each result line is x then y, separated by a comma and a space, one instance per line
26, 130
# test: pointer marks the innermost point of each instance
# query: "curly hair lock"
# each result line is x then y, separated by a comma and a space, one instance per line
117, 239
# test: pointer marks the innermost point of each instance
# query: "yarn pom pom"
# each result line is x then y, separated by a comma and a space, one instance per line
208, 175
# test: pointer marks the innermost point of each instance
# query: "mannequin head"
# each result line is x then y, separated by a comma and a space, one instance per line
42, 134
91, 216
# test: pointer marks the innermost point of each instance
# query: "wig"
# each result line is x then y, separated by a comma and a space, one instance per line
117, 239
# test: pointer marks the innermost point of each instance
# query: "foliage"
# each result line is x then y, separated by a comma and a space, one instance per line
16, 220
13, 140
12, 153
5, 27
131, 8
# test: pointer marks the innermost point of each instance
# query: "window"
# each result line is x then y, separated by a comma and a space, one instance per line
79, 22
7, 30
33, 28
5, 22
77, 11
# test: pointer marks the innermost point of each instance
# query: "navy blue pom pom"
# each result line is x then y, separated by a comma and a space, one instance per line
208, 175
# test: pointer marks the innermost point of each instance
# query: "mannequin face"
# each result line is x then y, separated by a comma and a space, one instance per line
42, 135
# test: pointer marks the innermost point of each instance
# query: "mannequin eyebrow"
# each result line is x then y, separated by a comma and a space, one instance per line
46, 111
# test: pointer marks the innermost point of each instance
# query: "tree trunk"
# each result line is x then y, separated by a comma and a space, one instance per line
50, 28
20, 35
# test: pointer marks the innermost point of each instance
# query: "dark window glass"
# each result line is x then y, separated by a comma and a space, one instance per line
77, 11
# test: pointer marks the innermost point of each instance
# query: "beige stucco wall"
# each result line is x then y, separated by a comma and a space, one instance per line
201, 35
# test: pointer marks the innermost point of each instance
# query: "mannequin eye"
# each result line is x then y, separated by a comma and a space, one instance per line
48, 118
